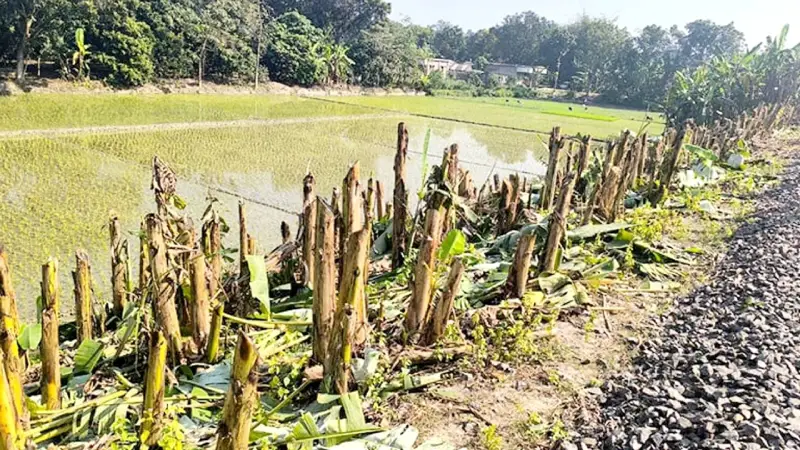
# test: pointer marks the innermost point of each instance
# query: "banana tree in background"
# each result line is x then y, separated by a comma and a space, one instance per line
729, 86
336, 64
79, 57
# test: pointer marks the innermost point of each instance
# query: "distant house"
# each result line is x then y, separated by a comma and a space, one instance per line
448, 67
437, 65
516, 73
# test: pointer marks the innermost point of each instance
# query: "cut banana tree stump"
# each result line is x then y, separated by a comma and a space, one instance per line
243, 241
669, 167
164, 287
7, 288
144, 261
48, 347
12, 435
309, 226
444, 307
153, 408
119, 260
548, 189
212, 247
200, 305
422, 288
82, 276
518, 273
380, 209
212, 350
234, 428
349, 330
400, 200
558, 225
324, 303
12, 363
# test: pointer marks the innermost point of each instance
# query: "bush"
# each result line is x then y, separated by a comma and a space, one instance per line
291, 55
122, 46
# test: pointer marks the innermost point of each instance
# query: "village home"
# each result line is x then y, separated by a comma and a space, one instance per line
507, 73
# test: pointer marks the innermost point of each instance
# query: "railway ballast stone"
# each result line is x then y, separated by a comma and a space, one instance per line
723, 371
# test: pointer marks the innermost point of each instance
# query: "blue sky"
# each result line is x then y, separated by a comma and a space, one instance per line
756, 18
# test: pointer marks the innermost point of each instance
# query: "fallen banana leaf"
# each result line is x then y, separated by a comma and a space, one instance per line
591, 231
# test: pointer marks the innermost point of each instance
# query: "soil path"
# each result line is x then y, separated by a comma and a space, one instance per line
724, 372
114, 129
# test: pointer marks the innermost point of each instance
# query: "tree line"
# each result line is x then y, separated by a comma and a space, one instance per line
311, 42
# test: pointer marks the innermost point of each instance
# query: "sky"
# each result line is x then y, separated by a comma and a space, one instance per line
757, 19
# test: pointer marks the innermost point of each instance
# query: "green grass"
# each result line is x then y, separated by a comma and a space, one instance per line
43, 111
535, 115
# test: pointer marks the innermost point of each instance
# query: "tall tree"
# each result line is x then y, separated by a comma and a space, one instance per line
388, 55
292, 54
705, 39
597, 46
29, 19
520, 37
449, 41
344, 20
557, 46
480, 44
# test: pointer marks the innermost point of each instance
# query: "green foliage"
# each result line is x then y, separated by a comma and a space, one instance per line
388, 55
79, 57
728, 85
123, 44
490, 439
293, 50
30, 336
454, 244
344, 20
87, 356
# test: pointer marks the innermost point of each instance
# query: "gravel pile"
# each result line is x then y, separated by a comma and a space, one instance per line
724, 372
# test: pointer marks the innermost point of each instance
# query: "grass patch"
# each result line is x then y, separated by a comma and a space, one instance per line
43, 111
581, 115
533, 115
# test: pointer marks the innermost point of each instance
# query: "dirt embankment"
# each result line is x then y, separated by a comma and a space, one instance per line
189, 86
